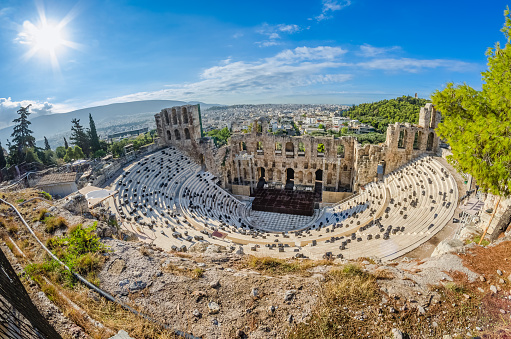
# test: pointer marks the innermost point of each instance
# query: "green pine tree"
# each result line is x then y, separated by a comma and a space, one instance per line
46, 144
22, 135
79, 137
66, 145
477, 124
3, 161
93, 136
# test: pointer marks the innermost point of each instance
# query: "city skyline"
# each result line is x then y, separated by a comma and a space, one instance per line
60, 56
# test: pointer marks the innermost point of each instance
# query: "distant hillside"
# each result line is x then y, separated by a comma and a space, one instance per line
382, 113
54, 125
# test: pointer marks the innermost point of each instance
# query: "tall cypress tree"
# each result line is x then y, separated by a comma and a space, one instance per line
79, 137
46, 144
93, 135
22, 135
66, 145
3, 162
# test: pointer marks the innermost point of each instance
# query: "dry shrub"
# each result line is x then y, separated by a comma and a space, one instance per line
197, 273
383, 274
349, 285
144, 251
116, 318
42, 214
270, 265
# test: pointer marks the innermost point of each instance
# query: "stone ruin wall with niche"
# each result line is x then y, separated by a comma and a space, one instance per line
181, 126
261, 153
355, 167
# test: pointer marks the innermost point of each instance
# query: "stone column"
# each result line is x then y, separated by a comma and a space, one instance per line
337, 169
238, 172
252, 175
324, 173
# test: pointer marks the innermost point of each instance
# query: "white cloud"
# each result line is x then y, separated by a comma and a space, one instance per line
330, 6
415, 65
367, 50
302, 53
283, 74
274, 33
9, 109
289, 69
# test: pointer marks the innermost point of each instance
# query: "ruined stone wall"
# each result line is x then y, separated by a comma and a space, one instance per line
260, 154
404, 142
270, 156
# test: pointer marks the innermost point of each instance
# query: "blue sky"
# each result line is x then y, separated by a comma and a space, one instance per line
316, 51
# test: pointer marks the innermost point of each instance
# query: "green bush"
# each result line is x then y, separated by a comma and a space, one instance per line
54, 223
46, 195
79, 250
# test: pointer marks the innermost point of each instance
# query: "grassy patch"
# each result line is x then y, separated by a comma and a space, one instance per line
197, 273
476, 239
54, 223
42, 214
455, 288
46, 195
276, 266
79, 250
349, 285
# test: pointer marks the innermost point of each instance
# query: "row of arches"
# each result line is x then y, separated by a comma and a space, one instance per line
403, 137
177, 135
288, 175
290, 148
183, 115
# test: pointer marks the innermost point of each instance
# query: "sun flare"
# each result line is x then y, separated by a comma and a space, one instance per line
46, 37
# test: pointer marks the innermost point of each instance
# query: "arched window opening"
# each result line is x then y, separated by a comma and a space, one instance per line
184, 113
174, 116
177, 135
417, 140
402, 138
431, 138
319, 175
321, 149
167, 121
340, 151
187, 134
169, 135
290, 147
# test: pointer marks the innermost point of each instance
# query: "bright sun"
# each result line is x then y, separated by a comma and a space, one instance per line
46, 37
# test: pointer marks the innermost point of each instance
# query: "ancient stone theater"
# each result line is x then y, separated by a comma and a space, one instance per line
301, 196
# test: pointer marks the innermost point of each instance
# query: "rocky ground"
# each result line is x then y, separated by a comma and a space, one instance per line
211, 292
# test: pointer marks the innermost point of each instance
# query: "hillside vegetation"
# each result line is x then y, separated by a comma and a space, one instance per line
384, 112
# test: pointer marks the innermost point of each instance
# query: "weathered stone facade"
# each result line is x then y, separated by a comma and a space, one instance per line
343, 164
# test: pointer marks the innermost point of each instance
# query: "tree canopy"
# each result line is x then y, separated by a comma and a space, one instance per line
220, 136
46, 144
477, 124
384, 112
3, 162
93, 135
79, 137
22, 135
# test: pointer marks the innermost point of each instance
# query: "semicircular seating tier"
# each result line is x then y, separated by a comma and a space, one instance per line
166, 191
